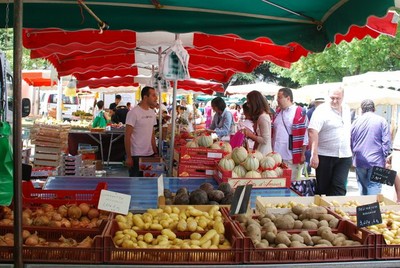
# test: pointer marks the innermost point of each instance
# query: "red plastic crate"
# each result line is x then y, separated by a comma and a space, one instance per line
34, 197
221, 175
385, 251
46, 254
365, 251
117, 255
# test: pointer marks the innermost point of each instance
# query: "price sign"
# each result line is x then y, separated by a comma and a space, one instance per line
241, 199
369, 214
114, 202
383, 175
160, 185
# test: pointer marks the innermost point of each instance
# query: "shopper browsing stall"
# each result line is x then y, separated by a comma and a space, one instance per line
139, 132
222, 120
290, 137
329, 137
259, 111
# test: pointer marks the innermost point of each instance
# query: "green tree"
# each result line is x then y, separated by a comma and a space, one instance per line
345, 59
6, 45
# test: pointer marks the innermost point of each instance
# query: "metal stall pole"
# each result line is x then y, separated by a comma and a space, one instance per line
17, 132
160, 130
59, 99
172, 142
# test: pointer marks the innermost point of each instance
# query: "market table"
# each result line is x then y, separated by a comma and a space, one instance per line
110, 143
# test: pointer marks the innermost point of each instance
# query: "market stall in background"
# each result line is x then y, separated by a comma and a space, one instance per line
224, 204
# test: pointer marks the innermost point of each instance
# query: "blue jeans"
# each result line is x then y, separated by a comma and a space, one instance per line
366, 186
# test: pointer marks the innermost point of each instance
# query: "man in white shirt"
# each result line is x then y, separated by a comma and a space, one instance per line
139, 131
290, 137
329, 137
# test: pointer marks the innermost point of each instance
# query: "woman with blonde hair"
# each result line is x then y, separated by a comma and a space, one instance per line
260, 115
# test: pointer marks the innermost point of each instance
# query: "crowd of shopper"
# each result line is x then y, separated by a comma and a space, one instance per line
323, 137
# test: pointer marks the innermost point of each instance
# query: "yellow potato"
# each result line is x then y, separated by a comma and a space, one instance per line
168, 209
137, 220
206, 244
142, 244
195, 236
148, 238
182, 226
156, 226
192, 225
219, 227
175, 210
171, 235
207, 236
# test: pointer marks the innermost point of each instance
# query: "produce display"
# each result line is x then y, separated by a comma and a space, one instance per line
76, 124
206, 227
205, 195
66, 216
33, 239
244, 164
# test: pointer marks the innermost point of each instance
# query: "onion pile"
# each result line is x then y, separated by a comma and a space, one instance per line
68, 216
34, 240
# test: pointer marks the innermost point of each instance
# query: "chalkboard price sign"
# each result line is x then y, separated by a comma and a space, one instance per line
368, 215
383, 175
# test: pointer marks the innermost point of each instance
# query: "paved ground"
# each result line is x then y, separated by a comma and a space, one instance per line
352, 188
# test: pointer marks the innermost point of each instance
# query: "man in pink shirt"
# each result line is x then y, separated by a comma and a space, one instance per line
139, 131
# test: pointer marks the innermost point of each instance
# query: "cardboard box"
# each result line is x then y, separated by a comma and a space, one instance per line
349, 204
194, 171
282, 205
185, 154
151, 163
221, 175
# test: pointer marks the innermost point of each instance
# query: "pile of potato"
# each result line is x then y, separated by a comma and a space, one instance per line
207, 229
268, 230
299, 217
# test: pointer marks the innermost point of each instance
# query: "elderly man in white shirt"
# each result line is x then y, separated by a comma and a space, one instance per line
329, 137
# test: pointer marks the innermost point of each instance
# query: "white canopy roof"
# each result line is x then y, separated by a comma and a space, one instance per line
353, 94
264, 88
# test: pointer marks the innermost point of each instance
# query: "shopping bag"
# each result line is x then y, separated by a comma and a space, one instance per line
6, 165
99, 121
237, 139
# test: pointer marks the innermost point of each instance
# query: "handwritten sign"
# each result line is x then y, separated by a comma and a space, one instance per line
368, 215
114, 202
383, 175
241, 199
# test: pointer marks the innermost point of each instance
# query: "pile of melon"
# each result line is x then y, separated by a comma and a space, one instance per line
206, 141
252, 165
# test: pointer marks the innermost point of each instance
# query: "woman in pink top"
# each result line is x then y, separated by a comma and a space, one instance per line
259, 111
208, 114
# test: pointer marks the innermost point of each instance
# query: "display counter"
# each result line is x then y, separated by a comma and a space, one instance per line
110, 143
143, 191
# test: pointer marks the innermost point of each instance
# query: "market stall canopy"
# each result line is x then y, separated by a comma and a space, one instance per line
89, 54
38, 78
312, 24
265, 88
390, 80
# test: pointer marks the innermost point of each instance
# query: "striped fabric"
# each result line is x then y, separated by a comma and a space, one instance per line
300, 123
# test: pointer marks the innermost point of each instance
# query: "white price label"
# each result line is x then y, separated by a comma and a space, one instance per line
114, 202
